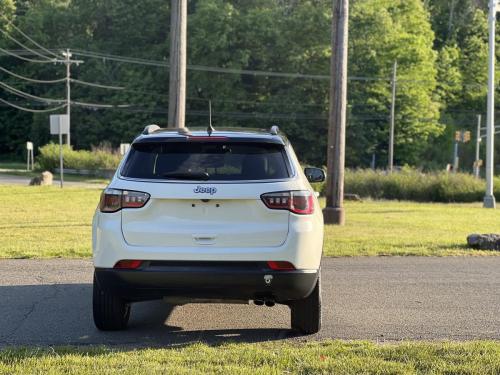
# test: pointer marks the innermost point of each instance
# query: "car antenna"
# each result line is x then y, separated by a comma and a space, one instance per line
210, 128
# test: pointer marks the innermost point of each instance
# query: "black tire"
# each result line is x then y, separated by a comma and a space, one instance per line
111, 313
306, 313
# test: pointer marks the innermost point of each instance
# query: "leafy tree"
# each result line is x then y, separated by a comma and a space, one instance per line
383, 32
438, 73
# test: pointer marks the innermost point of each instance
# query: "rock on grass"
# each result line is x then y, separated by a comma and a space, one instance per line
484, 241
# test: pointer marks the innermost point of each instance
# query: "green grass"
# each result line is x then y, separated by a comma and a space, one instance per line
408, 228
42, 222
12, 165
329, 357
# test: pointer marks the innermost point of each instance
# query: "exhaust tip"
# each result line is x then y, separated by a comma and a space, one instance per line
269, 303
258, 302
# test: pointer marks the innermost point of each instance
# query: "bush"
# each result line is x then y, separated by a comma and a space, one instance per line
98, 158
413, 185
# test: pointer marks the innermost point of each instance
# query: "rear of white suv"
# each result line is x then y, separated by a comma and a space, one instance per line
198, 217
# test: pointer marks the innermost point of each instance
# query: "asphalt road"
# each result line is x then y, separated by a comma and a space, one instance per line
48, 302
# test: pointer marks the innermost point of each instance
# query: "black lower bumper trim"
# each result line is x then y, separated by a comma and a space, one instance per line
205, 281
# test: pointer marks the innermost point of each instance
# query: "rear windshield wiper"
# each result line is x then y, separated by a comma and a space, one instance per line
196, 176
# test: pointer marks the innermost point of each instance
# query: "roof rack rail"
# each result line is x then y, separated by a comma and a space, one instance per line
274, 130
183, 131
149, 129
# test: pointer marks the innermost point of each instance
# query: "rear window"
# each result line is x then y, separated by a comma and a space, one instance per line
213, 161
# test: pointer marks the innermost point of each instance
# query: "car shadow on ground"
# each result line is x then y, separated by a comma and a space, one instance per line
61, 314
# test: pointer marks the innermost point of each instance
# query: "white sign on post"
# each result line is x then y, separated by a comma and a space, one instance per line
30, 158
124, 147
59, 124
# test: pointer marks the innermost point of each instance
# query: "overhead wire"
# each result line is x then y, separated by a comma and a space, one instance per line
99, 85
50, 59
32, 110
29, 96
31, 79
10, 23
26, 58
97, 105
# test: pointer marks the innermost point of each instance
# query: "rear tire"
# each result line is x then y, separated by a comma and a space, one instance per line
111, 313
306, 313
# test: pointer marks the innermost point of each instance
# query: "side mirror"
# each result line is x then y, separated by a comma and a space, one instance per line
315, 174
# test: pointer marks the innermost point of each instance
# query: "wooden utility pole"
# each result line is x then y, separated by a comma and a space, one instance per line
178, 48
393, 114
334, 211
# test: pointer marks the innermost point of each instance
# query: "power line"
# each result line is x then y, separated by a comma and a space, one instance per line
25, 58
25, 47
96, 105
31, 110
10, 23
203, 68
29, 96
158, 63
99, 85
31, 79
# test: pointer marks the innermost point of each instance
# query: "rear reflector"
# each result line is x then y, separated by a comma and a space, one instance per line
298, 201
280, 266
128, 264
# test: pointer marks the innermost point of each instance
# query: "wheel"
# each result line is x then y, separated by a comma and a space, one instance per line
111, 312
306, 313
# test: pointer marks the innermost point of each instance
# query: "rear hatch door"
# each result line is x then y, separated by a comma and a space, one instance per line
220, 207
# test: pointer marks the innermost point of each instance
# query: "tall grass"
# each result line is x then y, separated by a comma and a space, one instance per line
413, 185
98, 158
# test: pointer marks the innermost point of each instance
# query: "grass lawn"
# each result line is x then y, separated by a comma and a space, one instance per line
39, 222
12, 165
409, 228
330, 357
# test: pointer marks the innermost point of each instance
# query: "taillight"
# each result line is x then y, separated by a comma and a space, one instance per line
134, 199
280, 266
298, 201
113, 200
128, 264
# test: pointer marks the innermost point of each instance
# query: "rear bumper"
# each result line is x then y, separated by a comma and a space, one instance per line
207, 280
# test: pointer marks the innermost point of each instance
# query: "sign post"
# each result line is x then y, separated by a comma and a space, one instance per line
30, 159
59, 125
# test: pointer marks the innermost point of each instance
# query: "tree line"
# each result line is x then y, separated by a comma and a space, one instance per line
275, 57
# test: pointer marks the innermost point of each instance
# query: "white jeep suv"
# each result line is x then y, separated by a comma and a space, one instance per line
200, 216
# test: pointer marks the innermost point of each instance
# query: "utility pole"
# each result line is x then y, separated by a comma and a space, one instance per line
477, 167
67, 61
393, 113
178, 47
334, 211
489, 198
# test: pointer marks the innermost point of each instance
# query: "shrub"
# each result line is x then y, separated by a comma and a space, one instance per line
98, 158
410, 184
